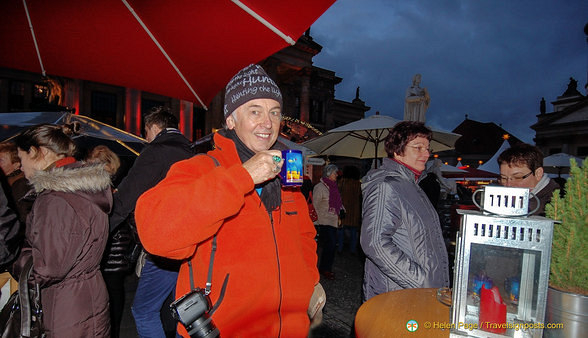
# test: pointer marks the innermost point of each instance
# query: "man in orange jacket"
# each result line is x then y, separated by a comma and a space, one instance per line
264, 236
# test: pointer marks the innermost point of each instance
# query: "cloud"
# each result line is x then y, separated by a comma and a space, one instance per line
492, 60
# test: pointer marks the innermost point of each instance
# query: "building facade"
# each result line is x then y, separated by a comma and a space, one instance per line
565, 129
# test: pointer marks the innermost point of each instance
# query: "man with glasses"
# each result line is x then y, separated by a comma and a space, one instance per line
521, 166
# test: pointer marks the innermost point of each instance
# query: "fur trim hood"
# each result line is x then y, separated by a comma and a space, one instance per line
72, 178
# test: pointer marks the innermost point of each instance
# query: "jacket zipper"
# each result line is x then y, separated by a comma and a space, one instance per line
279, 273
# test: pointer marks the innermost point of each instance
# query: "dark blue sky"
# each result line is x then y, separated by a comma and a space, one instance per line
490, 59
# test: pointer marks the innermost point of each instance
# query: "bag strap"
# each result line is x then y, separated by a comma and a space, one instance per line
25, 302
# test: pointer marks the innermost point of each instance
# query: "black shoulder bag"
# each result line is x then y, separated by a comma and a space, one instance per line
22, 315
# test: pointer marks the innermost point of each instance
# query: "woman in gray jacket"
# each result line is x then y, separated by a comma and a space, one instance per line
401, 235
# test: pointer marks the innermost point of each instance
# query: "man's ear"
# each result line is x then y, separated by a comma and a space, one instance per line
156, 129
230, 121
539, 173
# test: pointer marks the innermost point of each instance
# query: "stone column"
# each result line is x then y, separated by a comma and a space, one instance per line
187, 119
133, 111
71, 94
305, 95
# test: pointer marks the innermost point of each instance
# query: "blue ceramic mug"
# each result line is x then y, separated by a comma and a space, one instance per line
293, 167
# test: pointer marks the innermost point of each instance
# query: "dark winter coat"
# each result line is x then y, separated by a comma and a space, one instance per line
10, 239
400, 235
66, 234
149, 168
122, 250
19, 187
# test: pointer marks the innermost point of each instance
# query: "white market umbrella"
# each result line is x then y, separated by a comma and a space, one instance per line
365, 138
492, 164
559, 163
293, 145
560, 160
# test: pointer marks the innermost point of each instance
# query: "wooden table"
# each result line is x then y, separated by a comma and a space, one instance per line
386, 315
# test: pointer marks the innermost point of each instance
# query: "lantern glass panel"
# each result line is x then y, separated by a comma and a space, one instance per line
502, 267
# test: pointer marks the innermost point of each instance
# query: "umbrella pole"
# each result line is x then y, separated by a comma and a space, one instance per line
264, 22
34, 38
376, 155
128, 148
163, 52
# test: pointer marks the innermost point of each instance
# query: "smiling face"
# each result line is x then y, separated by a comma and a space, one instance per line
416, 153
257, 123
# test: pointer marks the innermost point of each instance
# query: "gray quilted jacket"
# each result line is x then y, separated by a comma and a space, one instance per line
400, 235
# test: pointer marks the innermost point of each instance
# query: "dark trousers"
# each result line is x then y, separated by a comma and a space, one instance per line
115, 284
328, 240
352, 230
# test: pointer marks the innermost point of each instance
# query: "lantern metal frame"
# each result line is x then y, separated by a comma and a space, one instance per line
506, 229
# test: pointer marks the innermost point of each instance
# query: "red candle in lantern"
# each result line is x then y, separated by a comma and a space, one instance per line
492, 311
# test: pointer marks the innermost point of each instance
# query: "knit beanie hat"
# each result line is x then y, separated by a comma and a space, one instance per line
250, 83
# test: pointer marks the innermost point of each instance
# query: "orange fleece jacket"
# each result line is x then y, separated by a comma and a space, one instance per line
272, 266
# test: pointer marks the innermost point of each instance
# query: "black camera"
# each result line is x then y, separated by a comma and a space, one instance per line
192, 310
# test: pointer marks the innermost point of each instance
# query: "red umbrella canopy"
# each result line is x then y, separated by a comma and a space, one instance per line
183, 48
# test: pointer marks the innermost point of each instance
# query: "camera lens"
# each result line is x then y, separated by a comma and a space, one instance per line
203, 327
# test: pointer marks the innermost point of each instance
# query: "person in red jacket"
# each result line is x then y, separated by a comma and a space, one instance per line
264, 236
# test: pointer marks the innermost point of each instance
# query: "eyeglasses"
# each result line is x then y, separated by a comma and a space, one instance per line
421, 149
514, 179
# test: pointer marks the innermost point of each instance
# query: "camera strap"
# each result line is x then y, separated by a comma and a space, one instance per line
210, 264
209, 278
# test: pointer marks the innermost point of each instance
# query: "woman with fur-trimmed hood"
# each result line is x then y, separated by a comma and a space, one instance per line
66, 232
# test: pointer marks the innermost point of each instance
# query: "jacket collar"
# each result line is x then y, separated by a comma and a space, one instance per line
71, 177
162, 134
226, 146
393, 166
416, 173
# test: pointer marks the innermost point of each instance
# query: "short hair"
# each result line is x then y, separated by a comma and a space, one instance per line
402, 133
11, 149
522, 154
103, 154
329, 169
161, 117
56, 138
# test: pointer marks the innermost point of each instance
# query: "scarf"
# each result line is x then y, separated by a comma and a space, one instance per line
64, 161
335, 203
416, 173
271, 191
543, 182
